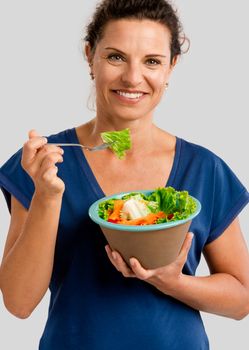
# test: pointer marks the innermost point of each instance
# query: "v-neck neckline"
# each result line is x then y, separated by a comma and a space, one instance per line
85, 166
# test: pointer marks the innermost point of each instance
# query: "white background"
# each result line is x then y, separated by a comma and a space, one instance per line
45, 84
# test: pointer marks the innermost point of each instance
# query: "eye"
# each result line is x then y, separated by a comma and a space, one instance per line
115, 58
153, 62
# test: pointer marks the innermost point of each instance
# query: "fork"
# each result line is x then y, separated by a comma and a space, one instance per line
92, 149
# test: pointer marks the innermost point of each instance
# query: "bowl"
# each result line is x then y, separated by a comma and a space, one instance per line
153, 245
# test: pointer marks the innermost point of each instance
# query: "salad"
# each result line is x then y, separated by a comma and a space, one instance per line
119, 141
162, 205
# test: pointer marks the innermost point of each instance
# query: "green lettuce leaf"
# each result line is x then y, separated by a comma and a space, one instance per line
153, 206
120, 141
170, 201
105, 208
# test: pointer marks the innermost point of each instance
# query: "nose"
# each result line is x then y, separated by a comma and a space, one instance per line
132, 75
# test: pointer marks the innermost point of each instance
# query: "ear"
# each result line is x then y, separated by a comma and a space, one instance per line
175, 61
88, 53
173, 64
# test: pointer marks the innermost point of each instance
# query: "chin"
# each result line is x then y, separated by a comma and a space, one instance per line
128, 117
129, 114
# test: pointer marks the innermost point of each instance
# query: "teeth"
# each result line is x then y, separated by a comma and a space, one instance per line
130, 95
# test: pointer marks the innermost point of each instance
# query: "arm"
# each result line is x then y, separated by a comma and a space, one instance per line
29, 251
225, 292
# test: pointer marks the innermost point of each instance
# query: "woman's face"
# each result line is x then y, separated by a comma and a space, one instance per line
131, 65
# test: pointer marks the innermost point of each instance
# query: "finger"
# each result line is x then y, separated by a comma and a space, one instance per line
44, 152
32, 133
50, 174
49, 162
30, 149
109, 253
122, 265
42, 162
182, 257
111, 256
140, 271
119, 262
34, 136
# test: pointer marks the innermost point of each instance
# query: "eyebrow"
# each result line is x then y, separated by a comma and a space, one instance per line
152, 54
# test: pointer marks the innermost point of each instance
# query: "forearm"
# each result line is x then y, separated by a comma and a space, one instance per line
26, 270
220, 294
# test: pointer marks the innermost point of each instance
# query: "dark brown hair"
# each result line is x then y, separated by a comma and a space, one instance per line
160, 11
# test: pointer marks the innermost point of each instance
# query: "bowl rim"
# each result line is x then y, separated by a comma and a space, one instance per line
93, 213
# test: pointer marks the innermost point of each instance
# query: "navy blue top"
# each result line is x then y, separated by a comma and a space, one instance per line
92, 306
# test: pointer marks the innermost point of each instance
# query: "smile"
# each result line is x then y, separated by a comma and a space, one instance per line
131, 97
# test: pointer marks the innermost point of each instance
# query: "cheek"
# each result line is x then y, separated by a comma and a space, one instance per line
105, 80
157, 81
156, 77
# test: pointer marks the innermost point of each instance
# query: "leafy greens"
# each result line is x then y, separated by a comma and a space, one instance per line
176, 205
119, 141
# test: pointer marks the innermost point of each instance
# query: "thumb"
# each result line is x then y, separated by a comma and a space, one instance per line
32, 133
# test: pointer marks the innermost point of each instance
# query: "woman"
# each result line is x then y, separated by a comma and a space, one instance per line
99, 303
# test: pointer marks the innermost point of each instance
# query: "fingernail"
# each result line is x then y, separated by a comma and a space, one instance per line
132, 262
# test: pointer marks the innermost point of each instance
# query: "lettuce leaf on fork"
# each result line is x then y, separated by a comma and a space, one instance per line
119, 141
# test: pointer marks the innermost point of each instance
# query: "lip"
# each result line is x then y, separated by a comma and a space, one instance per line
129, 100
130, 91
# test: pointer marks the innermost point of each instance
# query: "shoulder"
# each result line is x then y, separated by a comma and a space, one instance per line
200, 162
200, 154
203, 165
62, 136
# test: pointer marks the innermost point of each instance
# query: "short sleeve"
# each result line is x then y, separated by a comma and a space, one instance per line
16, 182
229, 198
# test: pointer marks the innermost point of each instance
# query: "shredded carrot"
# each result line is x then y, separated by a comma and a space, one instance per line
151, 218
118, 205
146, 220
139, 221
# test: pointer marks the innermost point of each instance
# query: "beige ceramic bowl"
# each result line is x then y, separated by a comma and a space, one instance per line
153, 245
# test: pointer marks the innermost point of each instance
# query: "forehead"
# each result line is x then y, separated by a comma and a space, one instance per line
131, 34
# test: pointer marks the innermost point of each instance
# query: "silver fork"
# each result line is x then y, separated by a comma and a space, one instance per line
92, 149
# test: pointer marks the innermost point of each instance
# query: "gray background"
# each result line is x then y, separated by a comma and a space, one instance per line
45, 85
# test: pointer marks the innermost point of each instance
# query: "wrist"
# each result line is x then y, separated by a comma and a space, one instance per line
47, 198
171, 286
178, 285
